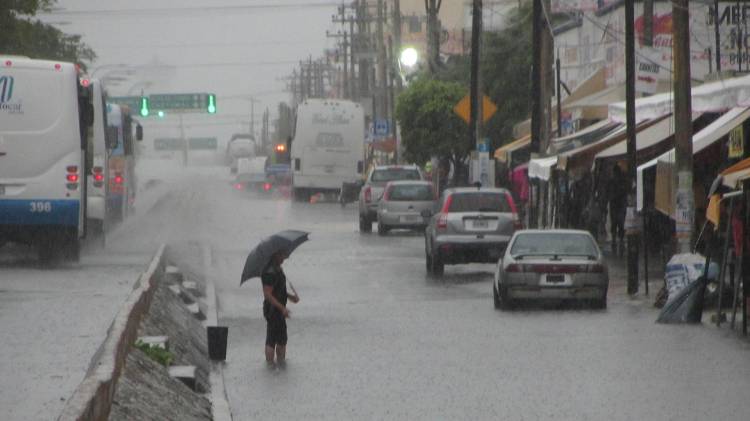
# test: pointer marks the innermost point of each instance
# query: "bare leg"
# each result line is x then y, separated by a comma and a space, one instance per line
269, 354
281, 354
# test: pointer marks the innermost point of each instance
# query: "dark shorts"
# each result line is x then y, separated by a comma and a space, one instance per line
275, 331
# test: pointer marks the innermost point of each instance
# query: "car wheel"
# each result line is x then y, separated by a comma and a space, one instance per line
382, 228
496, 296
506, 303
601, 303
365, 225
438, 267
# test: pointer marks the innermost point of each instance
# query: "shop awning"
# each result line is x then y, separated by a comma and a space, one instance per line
701, 140
501, 153
645, 139
541, 168
581, 137
709, 97
735, 174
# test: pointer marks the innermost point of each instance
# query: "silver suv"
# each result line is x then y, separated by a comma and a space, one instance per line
469, 225
372, 191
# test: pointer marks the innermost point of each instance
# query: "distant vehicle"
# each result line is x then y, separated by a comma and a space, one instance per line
44, 155
102, 144
371, 192
328, 146
241, 145
251, 173
122, 177
559, 264
402, 205
471, 225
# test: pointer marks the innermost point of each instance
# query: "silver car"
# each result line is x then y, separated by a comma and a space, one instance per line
402, 205
372, 191
558, 264
470, 225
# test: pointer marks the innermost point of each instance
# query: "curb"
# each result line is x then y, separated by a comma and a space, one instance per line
220, 409
92, 399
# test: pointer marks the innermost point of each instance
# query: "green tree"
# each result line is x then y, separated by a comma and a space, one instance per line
429, 127
23, 35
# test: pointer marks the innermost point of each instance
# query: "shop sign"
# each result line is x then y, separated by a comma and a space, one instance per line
736, 142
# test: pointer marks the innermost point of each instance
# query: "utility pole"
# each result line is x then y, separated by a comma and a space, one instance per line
397, 41
475, 117
683, 200
632, 237
432, 7
537, 109
393, 74
381, 80
717, 35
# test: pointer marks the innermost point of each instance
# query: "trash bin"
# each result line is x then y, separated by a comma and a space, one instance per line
217, 342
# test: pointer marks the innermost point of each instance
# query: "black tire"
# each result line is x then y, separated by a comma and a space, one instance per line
496, 297
72, 247
438, 267
601, 303
506, 303
382, 229
301, 195
428, 263
365, 225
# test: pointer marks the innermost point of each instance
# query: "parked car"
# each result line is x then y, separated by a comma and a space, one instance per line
469, 225
559, 264
402, 205
372, 190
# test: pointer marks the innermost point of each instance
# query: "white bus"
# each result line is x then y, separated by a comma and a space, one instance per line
44, 114
102, 143
328, 146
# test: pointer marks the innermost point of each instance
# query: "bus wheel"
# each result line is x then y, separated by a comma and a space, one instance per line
46, 252
72, 247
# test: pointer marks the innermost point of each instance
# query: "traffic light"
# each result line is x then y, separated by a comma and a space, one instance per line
160, 114
211, 107
280, 148
144, 107
280, 152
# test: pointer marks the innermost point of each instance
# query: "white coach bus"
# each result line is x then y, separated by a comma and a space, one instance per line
328, 146
44, 117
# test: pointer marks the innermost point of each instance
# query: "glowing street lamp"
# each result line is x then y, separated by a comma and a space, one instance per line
409, 57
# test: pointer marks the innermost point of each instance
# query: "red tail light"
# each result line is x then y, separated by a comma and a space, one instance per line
387, 193
442, 222
447, 204
72, 178
267, 186
514, 268
368, 194
118, 179
98, 177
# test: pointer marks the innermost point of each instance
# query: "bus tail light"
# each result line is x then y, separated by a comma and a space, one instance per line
118, 179
267, 186
98, 176
71, 177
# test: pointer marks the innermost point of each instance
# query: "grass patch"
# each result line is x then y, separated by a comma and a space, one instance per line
156, 353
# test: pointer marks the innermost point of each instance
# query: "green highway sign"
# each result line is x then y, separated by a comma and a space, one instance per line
183, 102
168, 144
134, 102
203, 143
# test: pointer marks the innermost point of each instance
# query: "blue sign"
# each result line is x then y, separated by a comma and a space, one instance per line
484, 145
381, 127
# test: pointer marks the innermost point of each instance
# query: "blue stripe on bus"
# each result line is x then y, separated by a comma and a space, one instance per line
39, 212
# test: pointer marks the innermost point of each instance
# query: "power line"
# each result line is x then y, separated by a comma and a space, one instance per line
175, 11
206, 45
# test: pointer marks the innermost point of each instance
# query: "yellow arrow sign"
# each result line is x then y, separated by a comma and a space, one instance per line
463, 108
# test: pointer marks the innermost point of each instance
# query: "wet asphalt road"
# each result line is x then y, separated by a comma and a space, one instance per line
375, 338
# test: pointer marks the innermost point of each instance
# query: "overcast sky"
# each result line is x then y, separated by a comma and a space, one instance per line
229, 47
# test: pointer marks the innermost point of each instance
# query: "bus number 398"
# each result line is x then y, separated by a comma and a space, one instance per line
41, 207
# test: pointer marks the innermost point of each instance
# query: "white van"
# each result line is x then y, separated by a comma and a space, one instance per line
44, 112
328, 146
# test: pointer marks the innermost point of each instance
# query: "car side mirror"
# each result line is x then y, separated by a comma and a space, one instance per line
111, 137
426, 213
138, 132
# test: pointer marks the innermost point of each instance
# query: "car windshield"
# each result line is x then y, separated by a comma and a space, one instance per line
479, 202
553, 244
394, 174
415, 192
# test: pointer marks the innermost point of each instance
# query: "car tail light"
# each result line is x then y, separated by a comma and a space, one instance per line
118, 179
71, 177
442, 222
547, 268
514, 268
447, 204
368, 194
387, 193
267, 186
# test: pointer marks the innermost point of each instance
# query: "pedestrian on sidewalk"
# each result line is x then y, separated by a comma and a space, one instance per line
275, 312
617, 192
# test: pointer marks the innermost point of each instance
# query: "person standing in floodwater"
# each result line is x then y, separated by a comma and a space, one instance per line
275, 297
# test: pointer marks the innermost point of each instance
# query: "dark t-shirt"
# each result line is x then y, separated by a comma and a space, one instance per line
274, 277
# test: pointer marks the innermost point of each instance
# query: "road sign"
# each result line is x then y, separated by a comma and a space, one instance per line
381, 127
168, 144
463, 108
181, 102
133, 102
484, 145
203, 143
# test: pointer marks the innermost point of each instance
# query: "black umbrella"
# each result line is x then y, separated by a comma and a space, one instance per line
260, 256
